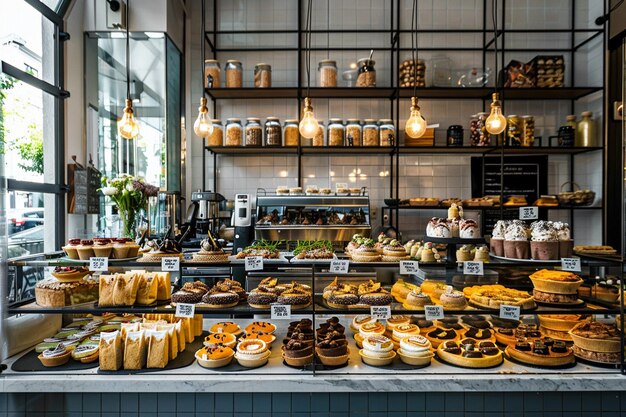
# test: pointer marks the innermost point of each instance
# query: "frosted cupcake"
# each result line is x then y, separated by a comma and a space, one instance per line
566, 243
516, 243
544, 243
468, 229
497, 237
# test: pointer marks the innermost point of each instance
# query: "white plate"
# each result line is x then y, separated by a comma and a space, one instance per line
553, 261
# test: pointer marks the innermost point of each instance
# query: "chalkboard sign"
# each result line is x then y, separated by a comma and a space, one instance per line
83, 196
523, 175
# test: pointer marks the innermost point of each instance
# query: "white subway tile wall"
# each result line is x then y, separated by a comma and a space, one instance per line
422, 175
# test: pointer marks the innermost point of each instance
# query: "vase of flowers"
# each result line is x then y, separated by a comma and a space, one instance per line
130, 195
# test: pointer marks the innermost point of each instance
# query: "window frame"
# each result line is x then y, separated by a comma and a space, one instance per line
58, 188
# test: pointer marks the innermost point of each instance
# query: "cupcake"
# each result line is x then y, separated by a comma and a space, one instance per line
71, 249
468, 229
481, 253
297, 353
566, 243
497, 237
544, 243
516, 243
464, 253
102, 247
437, 227
332, 352
85, 249
120, 248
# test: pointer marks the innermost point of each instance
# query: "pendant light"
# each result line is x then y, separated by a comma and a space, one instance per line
203, 127
496, 122
415, 125
127, 126
308, 124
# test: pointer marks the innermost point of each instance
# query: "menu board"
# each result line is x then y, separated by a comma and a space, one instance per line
523, 175
83, 195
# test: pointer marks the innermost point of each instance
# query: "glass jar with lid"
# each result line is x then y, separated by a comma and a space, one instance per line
327, 73
217, 136
318, 139
387, 133
234, 73
262, 75
367, 73
291, 133
335, 132
273, 132
212, 73
234, 132
370, 133
353, 132
254, 132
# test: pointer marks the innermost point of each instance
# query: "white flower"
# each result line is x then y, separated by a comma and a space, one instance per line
109, 191
130, 187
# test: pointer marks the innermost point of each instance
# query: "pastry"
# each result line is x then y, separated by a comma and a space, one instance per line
382, 241
480, 334
417, 300
135, 350
340, 299
215, 356
85, 249
493, 296
190, 293
516, 201
354, 243
507, 336
465, 253
558, 326
425, 326
297, 353
468, 229
158, 349
596, 337
111, 351
595, 250
547, 201
298, 296
260, 327
550, 298
56, 356
102, 247
440, 335
52, 293
210, 251
556, 282
541, 352
433, 288
148, 289
377, 351
566, 243
404, 330
263, 248
516, 243
437, 227
261, 299
401, 289
395, 321
71, 249
605, 292
496, 243
218, 299
415, 350
87, 352
470, 353
167, 248
221, 339
266, 337
226, 327
252, 353
120, 248
332, 352
544, 241
332, 325
394, 252
365, 252
359, 321
321, 249
478, 322
453, 300
481, 254
133, 248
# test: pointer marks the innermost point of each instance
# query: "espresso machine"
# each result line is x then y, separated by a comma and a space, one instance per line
209, 218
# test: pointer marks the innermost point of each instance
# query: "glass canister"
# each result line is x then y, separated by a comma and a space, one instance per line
353, 132
335, 132
528, 130
367, 73
233, 132
217, 136
478, 133
455, 135
262, 75
370, 133
273, 132
513, 130
387, 133
234, 71
318, 140
291, 133
327, 73
212, 73
254, 132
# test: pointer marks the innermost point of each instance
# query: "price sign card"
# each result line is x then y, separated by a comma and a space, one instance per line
339, 266
473, 268
171, 264
185, 310
570, 264
433, 312
281, 311
254, 263
409, 267
509, 312
380, 312
99, 264
341, 185
528, 213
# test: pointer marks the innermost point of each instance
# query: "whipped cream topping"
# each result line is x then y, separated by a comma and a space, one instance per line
59, 350
499, 229
415, 344
562, 230
516, 232
542, 231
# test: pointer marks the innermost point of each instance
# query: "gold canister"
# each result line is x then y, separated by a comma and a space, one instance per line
513, 130
528, 130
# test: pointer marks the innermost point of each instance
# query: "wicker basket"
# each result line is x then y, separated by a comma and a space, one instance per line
578, 197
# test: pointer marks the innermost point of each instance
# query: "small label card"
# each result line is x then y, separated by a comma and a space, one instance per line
528, 213
254, 263
185, 310
380, 312
433, 312
409, 267
281, 311
509, 312
171, 264
339, 266
570, 264
99, 264
341, 185
473, 268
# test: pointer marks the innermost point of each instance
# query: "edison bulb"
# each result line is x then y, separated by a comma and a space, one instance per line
308, 125
416, 125
203, 126
496, 122
127, 126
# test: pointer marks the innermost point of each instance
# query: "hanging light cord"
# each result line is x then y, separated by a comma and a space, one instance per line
414, 52
127, 51
494, 17
308, 48
202, 43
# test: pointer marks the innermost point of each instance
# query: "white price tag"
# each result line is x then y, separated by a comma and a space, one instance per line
99, 264
380, 312
185, 310
171, 264
433, 312
528, 213
339, 185
281, 311
473, 268
339, 266
254, 263
509, 312
409, 267
570, 264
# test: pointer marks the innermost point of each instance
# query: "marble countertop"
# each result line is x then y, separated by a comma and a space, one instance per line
276, 377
